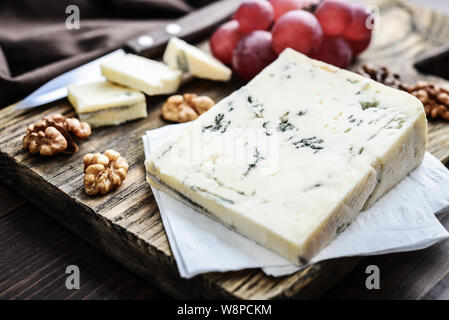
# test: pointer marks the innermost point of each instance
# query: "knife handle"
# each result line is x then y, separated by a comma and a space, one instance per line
192, 27
435, 62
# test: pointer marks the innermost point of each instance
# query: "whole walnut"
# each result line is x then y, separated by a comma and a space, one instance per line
51, 135
185, 108
103, 172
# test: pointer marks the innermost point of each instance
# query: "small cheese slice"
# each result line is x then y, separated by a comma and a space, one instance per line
149, 76
183, 56
103, 103
290, 159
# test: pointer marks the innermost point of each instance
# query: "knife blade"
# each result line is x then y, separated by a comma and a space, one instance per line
56, 88
191, 27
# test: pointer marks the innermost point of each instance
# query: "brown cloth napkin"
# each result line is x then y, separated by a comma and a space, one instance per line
36, 46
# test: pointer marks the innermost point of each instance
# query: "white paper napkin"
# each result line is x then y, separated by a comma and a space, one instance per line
402, 220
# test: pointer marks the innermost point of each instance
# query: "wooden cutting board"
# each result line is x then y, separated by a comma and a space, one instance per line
126, 224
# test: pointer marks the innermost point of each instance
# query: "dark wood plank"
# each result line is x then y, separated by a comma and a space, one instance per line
9, 200
35, 252
126, 224
440, 291
422, 274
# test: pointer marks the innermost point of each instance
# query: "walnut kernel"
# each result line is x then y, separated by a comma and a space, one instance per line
185, 108
47, 142
104, 172
51, 135
434, 97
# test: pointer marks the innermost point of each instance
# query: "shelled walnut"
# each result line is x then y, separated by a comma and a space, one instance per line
51, 135
103, 172
185, 108
382, 75
434, 97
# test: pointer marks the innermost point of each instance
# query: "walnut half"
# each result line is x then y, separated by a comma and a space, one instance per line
51, 135
103, 172
185, 108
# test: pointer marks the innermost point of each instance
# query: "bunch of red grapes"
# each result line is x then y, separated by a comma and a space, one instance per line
260, 30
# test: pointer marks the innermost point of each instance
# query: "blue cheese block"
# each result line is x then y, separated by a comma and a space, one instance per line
182, 56
290, 159
102, 103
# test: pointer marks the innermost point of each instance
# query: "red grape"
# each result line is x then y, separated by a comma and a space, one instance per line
283, 6
334, 16
334, 50
358, 46
299, 30
357, 29
254, 15
252, 54
224, 40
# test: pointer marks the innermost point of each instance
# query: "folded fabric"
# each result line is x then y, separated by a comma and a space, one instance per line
36, 45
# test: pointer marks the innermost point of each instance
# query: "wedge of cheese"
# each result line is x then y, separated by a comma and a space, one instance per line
290, 159
182, 56
102, 103
149, 76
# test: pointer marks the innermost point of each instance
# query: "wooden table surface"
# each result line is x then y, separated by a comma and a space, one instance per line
35, 252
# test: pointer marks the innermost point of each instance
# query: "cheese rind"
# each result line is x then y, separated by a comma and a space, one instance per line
102, 103
182, 56
319, 144
115, 116
149, 76
336, 221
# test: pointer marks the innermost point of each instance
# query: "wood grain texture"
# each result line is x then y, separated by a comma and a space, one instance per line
126, 224
9, 201
36, 251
